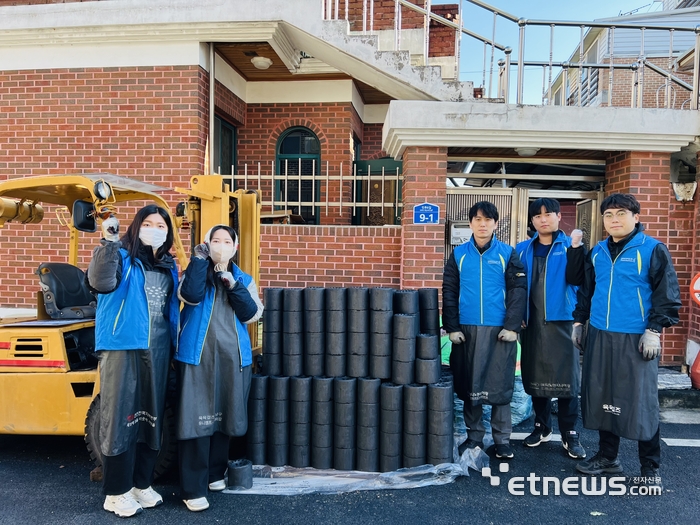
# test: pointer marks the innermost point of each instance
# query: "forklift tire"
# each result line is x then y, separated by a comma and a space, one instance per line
167, 455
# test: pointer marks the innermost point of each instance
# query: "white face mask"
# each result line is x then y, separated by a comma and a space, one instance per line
153, 237
221, 253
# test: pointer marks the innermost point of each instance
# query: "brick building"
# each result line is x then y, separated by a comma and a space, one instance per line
317, 113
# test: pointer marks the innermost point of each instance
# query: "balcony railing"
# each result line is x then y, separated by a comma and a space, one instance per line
289, 189
496, 55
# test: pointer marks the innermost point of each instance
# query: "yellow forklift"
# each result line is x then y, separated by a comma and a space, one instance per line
49, 382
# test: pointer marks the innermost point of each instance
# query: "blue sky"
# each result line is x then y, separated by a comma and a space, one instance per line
537, 38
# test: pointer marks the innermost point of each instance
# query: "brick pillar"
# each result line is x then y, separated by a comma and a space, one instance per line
423, 246
646, 176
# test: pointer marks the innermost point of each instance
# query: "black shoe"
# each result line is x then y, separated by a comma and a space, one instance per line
541, 434
469, 443
651, 478
504, 451
571, 444
599, 464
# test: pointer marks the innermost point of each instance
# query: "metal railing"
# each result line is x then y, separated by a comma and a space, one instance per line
285, 189
333, 9
549, 66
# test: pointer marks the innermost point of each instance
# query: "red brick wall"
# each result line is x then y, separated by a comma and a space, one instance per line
646, 176
148, 123
383, 14
300, 256
442, 38
356, 124
231, 108
332, 124
423, 246
653, 82
372, 142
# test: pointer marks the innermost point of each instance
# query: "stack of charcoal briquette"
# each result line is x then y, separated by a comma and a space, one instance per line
351, 379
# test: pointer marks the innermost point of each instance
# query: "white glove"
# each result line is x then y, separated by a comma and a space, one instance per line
110, 229
507, 336
577, 335
650, 345
457, 338
576, 238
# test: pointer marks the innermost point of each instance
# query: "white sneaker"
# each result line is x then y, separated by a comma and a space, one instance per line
147, 498
123, 505
197, 504
217, 486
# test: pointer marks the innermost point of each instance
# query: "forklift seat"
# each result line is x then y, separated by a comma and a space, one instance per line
66, 295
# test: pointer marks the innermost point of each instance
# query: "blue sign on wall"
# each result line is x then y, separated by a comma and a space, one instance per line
426, 213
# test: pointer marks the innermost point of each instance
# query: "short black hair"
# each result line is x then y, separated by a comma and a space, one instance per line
622, 201
551, 205
487, 209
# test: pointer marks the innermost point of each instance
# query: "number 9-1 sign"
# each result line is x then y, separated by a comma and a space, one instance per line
426, 213
695, 289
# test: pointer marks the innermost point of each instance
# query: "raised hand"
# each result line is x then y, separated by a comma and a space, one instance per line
110, 229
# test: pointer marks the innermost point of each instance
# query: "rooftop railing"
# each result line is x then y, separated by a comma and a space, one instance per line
497, 55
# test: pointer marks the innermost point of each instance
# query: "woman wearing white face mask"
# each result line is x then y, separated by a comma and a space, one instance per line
213, 363
136, 331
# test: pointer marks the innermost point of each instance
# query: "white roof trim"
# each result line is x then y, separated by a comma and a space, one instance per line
492, 125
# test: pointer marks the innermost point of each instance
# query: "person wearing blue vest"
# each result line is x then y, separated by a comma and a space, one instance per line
213, 361
549, 361
136, 333
630, 293
484, 292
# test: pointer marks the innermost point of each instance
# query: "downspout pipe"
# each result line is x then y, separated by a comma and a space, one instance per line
212, 86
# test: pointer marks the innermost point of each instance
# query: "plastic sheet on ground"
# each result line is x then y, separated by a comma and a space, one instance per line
290, 481
672, 380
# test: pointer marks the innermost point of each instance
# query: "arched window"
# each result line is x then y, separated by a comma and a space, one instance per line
299, 154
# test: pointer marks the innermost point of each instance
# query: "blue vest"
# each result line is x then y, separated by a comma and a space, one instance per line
195, 325
482, 283
122, 321
559, 296
622, 296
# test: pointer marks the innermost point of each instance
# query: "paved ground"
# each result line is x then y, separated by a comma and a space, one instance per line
46, 480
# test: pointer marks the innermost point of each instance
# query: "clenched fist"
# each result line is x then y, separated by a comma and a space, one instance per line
228, 280
201, 251
507, 336
457, 338
576, 238
110, 229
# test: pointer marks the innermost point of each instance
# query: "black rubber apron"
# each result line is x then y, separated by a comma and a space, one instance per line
549, 360
619, 388
483, 367
133, 383
214, 394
